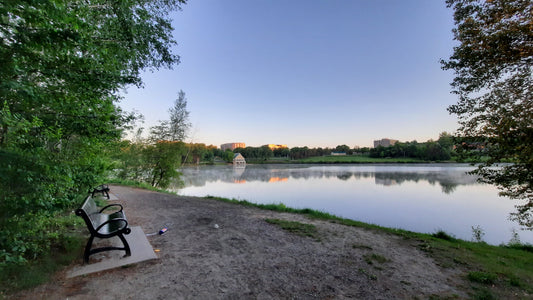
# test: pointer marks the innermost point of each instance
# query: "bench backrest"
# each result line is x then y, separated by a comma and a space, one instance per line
89, 212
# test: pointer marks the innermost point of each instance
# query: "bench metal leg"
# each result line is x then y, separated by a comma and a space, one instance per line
126, 245
88, 251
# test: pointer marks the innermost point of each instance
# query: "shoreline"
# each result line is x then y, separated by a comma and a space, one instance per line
247, 256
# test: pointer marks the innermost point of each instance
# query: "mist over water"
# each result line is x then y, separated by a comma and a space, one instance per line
416, 197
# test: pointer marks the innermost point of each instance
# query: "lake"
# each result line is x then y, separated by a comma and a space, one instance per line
416, 197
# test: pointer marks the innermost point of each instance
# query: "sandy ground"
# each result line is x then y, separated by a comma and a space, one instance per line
248, 258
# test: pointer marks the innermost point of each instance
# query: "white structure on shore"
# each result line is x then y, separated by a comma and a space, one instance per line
238, 160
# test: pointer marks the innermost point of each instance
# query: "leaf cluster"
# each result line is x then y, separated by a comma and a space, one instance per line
493, 66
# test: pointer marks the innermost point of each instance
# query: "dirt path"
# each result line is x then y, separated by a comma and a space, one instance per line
248, 258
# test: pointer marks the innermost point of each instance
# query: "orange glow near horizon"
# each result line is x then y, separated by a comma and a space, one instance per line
278, 179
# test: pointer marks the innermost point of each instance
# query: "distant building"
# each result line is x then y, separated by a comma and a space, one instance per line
385, 143
338, 153
274, 147
238, 160
232, 146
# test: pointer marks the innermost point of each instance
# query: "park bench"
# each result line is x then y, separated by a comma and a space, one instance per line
104, 225
103, 189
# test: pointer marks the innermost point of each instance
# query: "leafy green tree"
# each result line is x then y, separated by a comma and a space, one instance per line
176, 128
228, 155
493, 66
197, 152
62, 66
342, 148
163, 160
265, 152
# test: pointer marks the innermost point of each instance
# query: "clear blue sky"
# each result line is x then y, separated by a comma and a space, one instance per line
311, 73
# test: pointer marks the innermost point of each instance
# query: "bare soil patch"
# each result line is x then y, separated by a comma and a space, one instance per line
248, 258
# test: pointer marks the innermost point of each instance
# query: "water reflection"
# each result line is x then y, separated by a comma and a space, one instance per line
417, 197
447, 176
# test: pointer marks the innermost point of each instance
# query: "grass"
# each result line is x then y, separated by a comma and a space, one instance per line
371, 258
482, 277
301, 229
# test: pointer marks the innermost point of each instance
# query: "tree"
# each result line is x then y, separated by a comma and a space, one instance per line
163, 160
227, 156
63, 65
342, 148
493, 66
176, 128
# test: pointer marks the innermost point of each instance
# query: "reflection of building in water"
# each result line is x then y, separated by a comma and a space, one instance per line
238, 170
385, 143
386, 181
274, 147
278, 179
238, 160
232, 146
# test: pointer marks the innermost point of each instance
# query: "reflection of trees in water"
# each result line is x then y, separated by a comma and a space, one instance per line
447, 179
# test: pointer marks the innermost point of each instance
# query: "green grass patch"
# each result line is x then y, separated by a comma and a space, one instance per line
374, 257
301, 229
361, 246
507, 269
482, 277
142, 185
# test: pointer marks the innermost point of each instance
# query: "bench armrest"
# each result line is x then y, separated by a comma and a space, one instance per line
111, 221
111, 205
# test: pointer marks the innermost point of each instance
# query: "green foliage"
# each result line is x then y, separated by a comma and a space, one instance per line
157, 160
333, 159
374, 257
17, 275
429, 151
28, 236
443, 236
176, 128
262, 153
301, 229
477, 234
63, 64
493, 66
227, 155
482, 277
155, 164
163, 159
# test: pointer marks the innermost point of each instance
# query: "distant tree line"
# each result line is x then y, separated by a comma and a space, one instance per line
440, 150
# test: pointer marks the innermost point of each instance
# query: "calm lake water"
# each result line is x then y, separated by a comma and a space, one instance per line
417, 197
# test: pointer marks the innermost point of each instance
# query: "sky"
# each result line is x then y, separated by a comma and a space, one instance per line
310, 73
